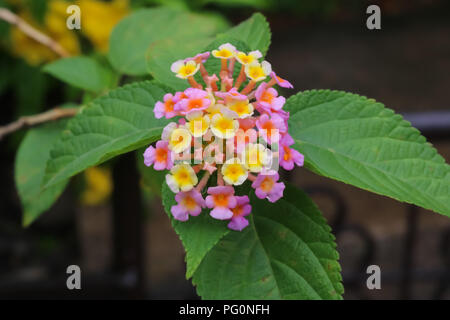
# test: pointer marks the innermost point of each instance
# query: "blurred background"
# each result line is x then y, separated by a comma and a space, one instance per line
113, 225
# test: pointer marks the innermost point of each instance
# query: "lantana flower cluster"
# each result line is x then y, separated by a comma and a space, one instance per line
226, 131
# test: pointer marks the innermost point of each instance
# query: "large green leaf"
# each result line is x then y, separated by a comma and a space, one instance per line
82, 72
287, 252
116, 123
360, 142
255, 32
32, 156
133, 35
199, 234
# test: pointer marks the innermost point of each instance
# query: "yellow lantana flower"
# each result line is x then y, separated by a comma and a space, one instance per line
256, 157
234, 172
226, 51
258, 71
248, 58
224, 125
180, 140
182, 178
243, 108
184, 69
214, 109
198, 123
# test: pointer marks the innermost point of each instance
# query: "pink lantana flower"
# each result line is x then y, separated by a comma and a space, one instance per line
221, 199
160, 157
267, 98
244, 137
281, 82
180, 95
210, 81
199, 58
273, 126
283, 114
266, 186
289, 156
196, 99
166, 108
232, 94
242, 209
247, 123
189, 203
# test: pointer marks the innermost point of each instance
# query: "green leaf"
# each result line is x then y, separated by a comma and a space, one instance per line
82, 72
32, 156
254, 31
133, 35
287, 252
198, 234
360, 142
116, 123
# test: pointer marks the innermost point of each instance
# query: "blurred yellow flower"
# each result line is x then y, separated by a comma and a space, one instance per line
54, 26
99, 186
98, 18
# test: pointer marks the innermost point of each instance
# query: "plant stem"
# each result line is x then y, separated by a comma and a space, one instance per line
15, 20
37, 119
